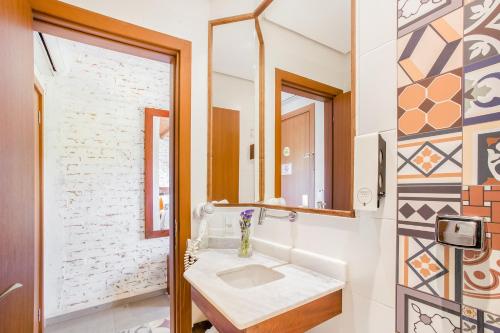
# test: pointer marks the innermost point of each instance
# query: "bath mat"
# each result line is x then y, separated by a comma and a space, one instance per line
157, 326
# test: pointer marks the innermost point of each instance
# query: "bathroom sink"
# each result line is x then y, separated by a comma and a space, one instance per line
249, 276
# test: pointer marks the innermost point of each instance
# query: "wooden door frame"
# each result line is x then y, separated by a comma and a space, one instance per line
77, 23
39, 236
311, 109
149, 114
302, 86
227, 20
298, 85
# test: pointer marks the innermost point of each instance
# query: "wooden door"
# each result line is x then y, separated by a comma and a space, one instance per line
17, 168
226, 155
297, 156
343, 122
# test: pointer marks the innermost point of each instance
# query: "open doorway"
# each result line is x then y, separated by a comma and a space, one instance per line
313, 127
101, 267
300, 149
19, 251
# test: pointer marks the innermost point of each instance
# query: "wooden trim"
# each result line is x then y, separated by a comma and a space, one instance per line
332, 212
149, 113
232, 19
94, 24
328, 151
209, 111
261, 7
262, 110
306, 94
40, 230
180, 292
213, 315
306, 87
70, 17
354, 69
297, 320
343, 145
98, 41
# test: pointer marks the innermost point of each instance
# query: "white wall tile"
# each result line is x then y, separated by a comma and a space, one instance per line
377, 23
377, 90
359, 315
367, 245
372, 267
274, 230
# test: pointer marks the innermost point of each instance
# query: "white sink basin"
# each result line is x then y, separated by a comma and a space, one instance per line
249, 276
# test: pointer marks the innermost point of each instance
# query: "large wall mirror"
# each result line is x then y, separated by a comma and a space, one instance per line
281, 106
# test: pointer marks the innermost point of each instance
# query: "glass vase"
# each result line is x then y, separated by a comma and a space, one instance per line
245, 250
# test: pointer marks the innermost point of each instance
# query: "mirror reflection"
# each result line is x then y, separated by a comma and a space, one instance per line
160, 173
233, 112
296, 61
303, 151
157, 149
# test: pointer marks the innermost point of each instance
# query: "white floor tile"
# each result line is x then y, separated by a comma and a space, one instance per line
116, 319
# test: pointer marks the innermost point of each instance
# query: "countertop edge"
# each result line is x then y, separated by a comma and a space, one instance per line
242, 326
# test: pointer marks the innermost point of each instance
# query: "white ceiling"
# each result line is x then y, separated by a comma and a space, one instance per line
325, 21
225, 8
235, 49
235, 45
287, 98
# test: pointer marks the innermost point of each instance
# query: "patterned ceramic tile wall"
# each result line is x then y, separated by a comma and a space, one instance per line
448, 163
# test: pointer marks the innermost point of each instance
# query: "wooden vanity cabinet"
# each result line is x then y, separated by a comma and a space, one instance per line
297, 320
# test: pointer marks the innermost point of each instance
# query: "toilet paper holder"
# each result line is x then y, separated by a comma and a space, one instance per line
463, 232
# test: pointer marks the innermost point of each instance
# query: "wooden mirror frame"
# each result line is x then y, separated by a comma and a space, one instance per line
149, 114
350, 179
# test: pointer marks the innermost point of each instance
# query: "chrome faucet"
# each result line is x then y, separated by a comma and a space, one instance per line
292, 216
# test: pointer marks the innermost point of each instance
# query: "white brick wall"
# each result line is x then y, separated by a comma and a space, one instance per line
94, 179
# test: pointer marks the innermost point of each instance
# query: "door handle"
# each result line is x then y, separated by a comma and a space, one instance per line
11, 289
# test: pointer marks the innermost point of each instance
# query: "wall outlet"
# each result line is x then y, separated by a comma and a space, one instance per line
228, 225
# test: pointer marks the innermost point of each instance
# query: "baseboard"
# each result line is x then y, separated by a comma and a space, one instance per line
84, 312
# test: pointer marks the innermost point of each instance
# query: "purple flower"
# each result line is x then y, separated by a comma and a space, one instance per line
246, 218
247, 214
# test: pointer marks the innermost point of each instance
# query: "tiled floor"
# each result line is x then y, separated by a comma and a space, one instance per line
117, 319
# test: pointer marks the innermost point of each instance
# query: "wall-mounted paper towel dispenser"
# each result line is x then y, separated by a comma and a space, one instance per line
369, 171
463, 232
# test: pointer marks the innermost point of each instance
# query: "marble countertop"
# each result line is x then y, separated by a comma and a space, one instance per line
247, 307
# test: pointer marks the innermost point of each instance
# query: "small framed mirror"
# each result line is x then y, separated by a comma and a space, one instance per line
157, 173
